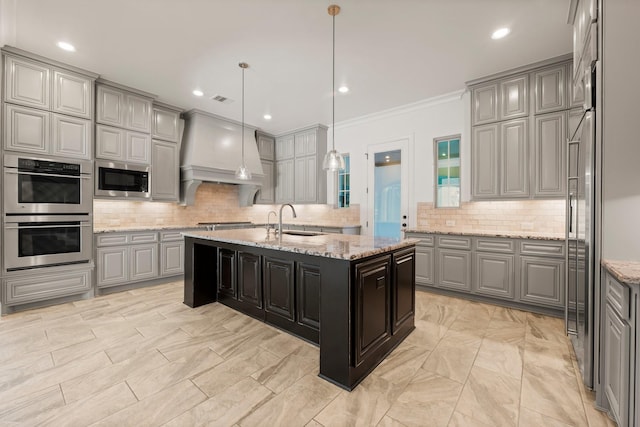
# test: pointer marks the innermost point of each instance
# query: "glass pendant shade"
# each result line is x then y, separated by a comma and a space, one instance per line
333, 161
243, 172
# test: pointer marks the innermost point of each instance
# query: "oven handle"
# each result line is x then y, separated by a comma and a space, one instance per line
55, 175
23, 227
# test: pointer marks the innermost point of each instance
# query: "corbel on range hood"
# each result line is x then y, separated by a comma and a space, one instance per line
211, 152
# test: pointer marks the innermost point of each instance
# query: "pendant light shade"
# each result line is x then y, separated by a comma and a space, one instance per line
243, 171
333, 161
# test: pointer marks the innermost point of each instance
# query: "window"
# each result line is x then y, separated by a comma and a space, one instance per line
447, 152
344, 191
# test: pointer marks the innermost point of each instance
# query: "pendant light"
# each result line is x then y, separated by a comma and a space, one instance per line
243, 172
333, 161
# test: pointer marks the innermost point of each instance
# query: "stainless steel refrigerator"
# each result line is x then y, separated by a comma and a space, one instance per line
582, 265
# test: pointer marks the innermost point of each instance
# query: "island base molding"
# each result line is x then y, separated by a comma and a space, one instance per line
356, 311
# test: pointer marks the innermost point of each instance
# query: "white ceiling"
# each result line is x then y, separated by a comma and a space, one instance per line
389, 53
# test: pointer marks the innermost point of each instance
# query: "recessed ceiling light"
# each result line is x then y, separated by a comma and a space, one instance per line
267, 116
343, 89
66, 46
500, 33
197, 92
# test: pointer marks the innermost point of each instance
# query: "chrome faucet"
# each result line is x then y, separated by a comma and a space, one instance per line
280, 217
269, 226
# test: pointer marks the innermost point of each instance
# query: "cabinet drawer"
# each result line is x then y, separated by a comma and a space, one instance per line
27, 289
495, 245
425, 240
111, 239
618, 296
542, 248
166, 236
143, 237
454, 242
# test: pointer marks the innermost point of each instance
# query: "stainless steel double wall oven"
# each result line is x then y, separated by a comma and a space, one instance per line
47, 212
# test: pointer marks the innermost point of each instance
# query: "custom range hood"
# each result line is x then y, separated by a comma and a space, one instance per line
212, 151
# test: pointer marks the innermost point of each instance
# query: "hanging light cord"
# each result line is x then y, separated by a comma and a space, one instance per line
243, 165
333, 88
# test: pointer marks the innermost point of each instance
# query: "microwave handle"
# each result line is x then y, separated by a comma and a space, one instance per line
48, 174
27, 227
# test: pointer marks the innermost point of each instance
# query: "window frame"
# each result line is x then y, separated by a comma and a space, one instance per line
435, 167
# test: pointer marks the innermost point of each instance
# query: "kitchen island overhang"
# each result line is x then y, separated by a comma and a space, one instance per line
354, 296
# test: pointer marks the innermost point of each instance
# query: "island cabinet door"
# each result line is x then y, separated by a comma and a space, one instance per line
226, 273
308, 296
373, 306
249, 279
403, 290
279, 287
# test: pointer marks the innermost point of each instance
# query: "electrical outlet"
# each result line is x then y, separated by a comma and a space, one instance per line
450, 222
526, 225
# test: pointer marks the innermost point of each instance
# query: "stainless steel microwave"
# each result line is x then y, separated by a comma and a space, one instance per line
122, 180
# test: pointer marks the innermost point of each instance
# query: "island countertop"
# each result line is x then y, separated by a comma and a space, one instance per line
330, 245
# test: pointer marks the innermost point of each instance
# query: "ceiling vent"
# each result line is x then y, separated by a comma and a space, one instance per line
222, 99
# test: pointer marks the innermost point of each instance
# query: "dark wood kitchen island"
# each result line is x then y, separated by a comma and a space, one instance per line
354, 296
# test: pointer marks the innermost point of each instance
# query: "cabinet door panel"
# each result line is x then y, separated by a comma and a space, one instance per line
308, 295
403, 289
284, 181
144, 262
27, 288
549, 155
424, 265
113, 266
373, 306
514, 153
138, 113
110, 106
165, 181
541, 281
266, 147
250, 279
299, 186
227, 278
71, 137
454, 269
110, 143
26, 129
484, 158
165, 125
171, 258
494, 275
138, 146
284, 147
72, 94
550, 90
616, 365
26, 83
514, 97
279, 287
310, 179
267, 191
484, 104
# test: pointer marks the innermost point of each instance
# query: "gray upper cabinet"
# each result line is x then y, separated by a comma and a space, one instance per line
165, 124
122, 145
514, 99
26, 129
550, 89
299, 174
514, 158
27, 82
120, 108
71, 136
165, 174
575, 90
549, 155
266, 150
266, 147
484, 161
72, 94
484, 107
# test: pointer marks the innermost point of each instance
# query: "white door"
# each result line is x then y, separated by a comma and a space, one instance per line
388, 188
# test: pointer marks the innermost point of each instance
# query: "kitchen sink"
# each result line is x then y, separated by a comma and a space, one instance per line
302, 233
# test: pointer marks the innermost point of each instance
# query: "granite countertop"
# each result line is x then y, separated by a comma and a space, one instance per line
624, 271
340, 246
490, 233
317, 224
149, 228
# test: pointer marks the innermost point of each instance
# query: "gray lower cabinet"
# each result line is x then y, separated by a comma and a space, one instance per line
132, 257
618, 354
520, 272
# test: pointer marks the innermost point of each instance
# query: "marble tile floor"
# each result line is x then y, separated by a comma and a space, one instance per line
142, 358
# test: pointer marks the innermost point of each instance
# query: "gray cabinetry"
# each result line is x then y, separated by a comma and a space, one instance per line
425, 271
144, 262
72, 94
514, 155
494, 268
541, 281
165, 180
550, 89
484, 158
299, 166
454, 269
484, 104
124, 109
113, 268
171, 253
266, 149
122, 145
549, 165
514, 97
165, 124
26, 129
110, 106
27, 82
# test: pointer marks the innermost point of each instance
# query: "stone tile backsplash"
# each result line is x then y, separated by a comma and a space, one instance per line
544, 216
214, 202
